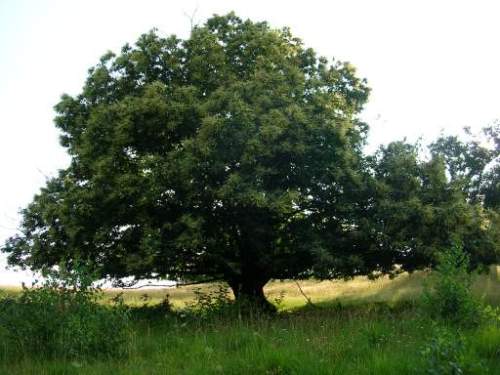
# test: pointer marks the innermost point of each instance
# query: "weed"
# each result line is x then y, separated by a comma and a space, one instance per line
447, 353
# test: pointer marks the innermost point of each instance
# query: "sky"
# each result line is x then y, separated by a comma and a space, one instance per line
432, 66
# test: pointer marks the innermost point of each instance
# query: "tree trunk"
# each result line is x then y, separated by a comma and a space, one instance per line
251, 293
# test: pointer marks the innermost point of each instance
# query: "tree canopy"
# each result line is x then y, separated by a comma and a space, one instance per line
419, 211
473, 163
236, 155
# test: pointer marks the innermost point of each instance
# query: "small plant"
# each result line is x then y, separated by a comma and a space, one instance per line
492, 315
166, 305
62, 319
217, 304
208, 303
376, 335
278, 301
486, 341
449, 296
446, 354
154, 312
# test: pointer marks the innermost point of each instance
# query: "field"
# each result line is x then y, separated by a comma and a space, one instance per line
354, 327
359, 290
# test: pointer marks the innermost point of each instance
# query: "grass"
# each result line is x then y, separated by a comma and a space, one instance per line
371, 331
372, 339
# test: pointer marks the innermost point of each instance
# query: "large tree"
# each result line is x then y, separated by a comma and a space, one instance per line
236, 155
221, 156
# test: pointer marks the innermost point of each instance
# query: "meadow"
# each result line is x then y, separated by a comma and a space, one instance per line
359, 326
405, 287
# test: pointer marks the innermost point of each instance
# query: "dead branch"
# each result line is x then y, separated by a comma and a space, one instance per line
309, 302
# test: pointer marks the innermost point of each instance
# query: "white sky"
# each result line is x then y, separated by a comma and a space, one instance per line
431, 65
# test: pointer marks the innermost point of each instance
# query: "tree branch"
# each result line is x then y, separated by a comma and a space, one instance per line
177, 285
309, 302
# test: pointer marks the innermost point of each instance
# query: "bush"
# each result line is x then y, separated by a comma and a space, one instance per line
447, 353
151, 313
449, 296
212, 302
63, 321
216, 304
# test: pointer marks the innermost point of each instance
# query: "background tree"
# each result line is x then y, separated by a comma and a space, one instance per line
212, 157
418, 211
473, 163
491, 186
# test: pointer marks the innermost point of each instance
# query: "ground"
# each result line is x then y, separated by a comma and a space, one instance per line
356, 327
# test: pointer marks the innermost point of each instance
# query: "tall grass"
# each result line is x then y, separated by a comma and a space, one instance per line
371, 334
362, 339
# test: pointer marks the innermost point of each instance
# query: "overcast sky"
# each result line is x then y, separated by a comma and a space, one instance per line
431, 65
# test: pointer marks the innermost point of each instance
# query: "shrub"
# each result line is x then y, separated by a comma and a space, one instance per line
62, 320
217, 304
449, 296
208, 303
151, 313
444, 354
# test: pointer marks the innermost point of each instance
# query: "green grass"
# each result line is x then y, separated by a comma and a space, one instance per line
368, 339
371, 331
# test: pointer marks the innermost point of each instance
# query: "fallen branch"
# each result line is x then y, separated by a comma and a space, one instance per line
309, 302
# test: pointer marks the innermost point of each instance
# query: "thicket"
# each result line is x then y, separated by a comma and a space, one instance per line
62, 319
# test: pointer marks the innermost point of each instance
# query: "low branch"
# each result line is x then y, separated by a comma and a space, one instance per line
176, 285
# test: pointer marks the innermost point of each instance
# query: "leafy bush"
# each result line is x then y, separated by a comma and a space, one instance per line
449, 296
208, 305
62, 320
446, 354
212, 301
217, 304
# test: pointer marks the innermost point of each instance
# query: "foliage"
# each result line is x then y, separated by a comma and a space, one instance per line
446, 353
63, 321
491, 186
216, 304
209, 303
415, 211
474, 163
449, 297
486, 341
